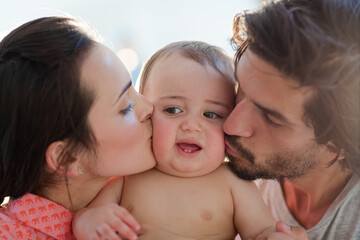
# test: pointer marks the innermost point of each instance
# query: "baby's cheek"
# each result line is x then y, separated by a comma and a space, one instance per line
216, 142
161, 140
158, 145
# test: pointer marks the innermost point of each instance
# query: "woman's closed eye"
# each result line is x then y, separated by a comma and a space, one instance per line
128, 109
173, 110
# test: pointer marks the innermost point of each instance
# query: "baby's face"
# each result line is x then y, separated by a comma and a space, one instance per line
191, 104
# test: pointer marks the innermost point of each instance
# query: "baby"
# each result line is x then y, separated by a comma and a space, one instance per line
191, 192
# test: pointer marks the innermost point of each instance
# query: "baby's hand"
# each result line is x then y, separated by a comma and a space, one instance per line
283, 232
109, 221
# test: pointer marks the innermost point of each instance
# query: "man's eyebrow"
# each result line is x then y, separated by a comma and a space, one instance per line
128, 85
273, 113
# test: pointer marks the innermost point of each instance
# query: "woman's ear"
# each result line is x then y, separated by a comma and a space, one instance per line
54, 156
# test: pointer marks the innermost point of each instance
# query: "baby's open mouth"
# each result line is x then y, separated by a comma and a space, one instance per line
189, 147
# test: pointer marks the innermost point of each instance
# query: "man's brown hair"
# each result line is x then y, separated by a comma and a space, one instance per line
316, 43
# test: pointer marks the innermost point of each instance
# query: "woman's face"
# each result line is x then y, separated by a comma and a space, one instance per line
119, 118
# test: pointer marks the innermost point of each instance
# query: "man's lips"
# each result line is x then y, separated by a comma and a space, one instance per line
229, 150
237, 155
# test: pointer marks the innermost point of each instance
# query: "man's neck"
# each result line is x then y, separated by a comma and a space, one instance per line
310, 196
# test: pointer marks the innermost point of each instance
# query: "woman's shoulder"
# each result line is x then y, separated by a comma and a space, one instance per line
34, 217
10, 226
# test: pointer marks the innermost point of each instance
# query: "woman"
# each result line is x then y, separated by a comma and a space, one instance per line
69, 120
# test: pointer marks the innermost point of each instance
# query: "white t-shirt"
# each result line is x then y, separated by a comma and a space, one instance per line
340, 222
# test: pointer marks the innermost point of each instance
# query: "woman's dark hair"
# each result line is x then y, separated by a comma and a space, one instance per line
316, 43
41, 100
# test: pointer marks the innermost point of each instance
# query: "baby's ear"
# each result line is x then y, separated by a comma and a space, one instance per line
54, 155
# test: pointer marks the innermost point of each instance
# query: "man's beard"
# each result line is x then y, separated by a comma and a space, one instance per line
275, 166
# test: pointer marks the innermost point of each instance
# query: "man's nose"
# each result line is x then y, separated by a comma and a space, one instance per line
239, 122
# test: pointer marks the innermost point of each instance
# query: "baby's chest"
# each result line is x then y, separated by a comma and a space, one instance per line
182, 208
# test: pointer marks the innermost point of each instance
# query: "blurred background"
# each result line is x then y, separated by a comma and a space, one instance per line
135, 29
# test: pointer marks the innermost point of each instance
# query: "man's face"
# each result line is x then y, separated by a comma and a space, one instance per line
267, 135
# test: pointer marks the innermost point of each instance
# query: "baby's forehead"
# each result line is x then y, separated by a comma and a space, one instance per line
180, 64
191, 82
181, 67
211, 65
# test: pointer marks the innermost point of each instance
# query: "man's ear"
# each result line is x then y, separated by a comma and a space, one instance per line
54, 156
336, 152
341, 154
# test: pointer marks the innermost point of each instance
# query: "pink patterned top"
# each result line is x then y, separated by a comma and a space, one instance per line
34, 217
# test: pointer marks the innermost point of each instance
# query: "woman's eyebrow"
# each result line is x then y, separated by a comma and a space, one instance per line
124, 90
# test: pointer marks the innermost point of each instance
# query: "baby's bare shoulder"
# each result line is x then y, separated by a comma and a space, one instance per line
232, 180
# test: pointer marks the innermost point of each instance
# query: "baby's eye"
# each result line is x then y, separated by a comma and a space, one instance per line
173, 110
211, 115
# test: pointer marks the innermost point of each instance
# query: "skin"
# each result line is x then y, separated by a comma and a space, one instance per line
268, 121
123, 134
191, 103
118, 109
190, 185
188, 110
267, 145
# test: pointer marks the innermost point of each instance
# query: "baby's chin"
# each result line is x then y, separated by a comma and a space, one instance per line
183, 171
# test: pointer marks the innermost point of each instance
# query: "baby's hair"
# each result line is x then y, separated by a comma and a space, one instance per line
201, 52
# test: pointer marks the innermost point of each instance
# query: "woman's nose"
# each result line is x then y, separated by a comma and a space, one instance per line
145, 108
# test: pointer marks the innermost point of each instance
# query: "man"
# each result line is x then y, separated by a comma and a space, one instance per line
297, 118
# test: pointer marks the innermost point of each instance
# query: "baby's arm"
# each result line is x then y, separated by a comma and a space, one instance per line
251, 215
104, 216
